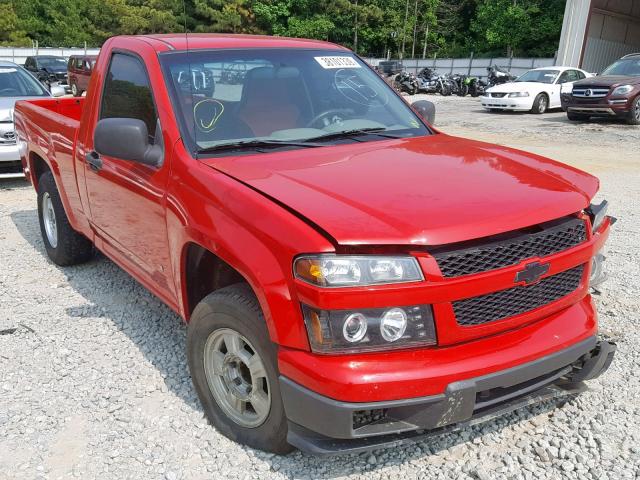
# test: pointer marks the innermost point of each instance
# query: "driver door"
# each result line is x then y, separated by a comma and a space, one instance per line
563, 84
126, 198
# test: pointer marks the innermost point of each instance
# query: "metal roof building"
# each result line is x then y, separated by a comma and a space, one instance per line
597, 32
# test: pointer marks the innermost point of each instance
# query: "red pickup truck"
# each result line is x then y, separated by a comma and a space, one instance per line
352, 278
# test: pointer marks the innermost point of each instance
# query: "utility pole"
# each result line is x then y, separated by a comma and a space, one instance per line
355, 34
404, 28
415, 29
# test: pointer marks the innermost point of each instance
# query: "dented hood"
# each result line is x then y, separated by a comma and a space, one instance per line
428, 190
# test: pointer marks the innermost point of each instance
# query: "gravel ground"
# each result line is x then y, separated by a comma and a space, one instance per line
94, 382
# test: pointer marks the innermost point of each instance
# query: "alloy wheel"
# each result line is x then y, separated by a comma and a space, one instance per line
237, 378
49, 218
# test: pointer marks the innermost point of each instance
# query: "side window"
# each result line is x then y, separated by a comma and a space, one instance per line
580, 74
127, 93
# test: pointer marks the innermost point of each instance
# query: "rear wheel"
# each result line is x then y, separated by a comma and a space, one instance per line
63, 244
75, 90
540, 103
233, 365
634, 112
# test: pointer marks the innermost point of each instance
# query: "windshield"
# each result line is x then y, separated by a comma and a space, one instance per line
231, 96
627, 66
539, 76
52, 62
15, 82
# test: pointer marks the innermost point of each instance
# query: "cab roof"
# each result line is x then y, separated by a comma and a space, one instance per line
204, 41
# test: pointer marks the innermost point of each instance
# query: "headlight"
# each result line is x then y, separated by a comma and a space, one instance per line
622, 90
366, 330
597, 214
518, 94
347, 270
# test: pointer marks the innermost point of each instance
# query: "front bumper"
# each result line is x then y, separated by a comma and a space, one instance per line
603, 107
507, 103
321, 425
10, 165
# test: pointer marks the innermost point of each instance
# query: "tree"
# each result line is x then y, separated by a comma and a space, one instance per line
10, 31
518, 26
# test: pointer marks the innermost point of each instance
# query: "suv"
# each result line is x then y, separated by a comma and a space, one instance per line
615, 93
49, 69
79, 72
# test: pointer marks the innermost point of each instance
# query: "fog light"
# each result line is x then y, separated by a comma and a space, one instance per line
355, 327
393, 324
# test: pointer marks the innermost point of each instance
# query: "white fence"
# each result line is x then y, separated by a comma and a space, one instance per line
19, 55
468, 66
471, 66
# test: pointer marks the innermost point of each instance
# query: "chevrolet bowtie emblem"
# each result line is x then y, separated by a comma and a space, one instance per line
532, 273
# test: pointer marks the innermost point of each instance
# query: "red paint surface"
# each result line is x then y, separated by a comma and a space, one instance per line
391, 195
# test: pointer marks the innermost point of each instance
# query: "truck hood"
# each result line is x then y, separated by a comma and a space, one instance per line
429, 190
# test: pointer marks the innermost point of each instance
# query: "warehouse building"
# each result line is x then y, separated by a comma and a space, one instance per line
597, 32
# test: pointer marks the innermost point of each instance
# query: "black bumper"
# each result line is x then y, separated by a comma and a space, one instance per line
323, 426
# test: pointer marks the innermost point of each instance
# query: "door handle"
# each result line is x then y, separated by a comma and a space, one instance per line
94, 160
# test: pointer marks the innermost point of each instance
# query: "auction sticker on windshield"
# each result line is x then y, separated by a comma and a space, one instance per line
337, 62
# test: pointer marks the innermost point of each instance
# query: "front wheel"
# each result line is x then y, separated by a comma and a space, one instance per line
63, 244
233, 365
540, 103
75, 90
634, 112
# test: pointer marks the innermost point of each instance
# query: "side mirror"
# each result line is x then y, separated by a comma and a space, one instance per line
127, 139
57, 91
426, 109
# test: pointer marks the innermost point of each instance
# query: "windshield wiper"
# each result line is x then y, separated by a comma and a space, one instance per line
353, 133
255, 144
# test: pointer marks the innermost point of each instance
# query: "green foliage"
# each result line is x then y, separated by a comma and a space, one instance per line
447, 27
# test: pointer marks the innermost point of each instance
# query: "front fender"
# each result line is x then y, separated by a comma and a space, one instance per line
255, 236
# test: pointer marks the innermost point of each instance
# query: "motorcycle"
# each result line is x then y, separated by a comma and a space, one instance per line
474, 86
406, 82
444, 85
497, 75
427, 80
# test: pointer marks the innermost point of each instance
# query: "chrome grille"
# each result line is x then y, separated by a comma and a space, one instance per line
497, 94
516, 300
510, 249
593, 92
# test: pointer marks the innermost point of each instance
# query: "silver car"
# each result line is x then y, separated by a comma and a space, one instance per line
15, 84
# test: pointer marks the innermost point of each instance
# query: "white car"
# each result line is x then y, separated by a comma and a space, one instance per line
16, 83
535, 91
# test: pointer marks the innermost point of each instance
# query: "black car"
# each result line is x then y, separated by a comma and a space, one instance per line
49, 69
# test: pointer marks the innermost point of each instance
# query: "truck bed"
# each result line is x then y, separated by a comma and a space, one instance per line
50, 126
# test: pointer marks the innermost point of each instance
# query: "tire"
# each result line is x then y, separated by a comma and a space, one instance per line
234, 310
63, 244
634, 112
577, 117
540, 103
446, 91
463, 91
75, 90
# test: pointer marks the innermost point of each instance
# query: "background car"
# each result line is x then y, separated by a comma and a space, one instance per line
15, 84
536, 90
49, 69
79, 70
615, 93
